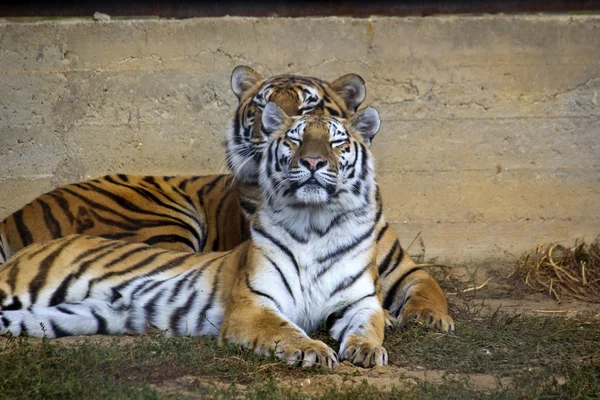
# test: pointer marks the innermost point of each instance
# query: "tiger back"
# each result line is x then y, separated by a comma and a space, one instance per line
185, 213
266, 294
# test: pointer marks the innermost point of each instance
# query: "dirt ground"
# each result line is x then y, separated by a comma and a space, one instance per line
477, 299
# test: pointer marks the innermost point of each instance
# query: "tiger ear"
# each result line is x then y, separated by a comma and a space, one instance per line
273, 118
351, 88
366, 123
244, 78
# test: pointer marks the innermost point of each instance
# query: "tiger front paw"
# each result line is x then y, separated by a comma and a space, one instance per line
309, 353
365, 354
434, 318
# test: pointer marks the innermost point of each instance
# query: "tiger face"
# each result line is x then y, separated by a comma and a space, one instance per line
314, 160
246, 139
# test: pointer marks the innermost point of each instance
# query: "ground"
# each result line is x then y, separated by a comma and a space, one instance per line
509, 343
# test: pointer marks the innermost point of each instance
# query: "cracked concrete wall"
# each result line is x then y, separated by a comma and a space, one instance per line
490, 139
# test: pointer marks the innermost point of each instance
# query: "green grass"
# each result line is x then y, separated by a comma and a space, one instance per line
537, 357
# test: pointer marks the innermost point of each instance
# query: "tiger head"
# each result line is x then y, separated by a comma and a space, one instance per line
246, 139
317, 160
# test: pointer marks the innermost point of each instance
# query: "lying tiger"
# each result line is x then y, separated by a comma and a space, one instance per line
210, 213
311, 257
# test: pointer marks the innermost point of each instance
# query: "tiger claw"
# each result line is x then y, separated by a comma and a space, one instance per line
433, 319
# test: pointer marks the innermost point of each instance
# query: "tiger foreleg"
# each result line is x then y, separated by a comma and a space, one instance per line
88, 317
360, 330
268, 332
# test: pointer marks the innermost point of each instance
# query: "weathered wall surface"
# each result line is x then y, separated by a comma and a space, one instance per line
491, 125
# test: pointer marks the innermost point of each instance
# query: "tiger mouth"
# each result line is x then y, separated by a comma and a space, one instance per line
311, 181
314, 184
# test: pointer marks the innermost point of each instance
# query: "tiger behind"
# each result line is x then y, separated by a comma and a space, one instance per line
311, 257
204, 213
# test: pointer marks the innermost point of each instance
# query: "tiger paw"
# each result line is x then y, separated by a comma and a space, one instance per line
432, 318
309, 353
365, 354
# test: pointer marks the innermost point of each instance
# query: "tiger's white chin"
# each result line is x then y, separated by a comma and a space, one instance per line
312, 195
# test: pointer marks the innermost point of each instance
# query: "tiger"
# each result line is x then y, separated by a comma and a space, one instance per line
310, 259
408, 291
212, 213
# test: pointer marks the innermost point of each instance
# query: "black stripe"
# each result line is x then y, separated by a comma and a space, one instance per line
382, 232
211, 298
13, 274
171, 239
39, 280
3, 256
393, 268
248, 207
150, 196
128, 205
285, 282
122, 177
5, 322
93, 251
333, 317
64, 310
63, 204
344, 249
51, 222
379, 204
58, 331
174, 263
152, 181
385, 263
118, 236
133, 224
263, 294
60, 293
140, 264
276, 242
349, 281
102, 324
217, 214
207, 188
342, 217
143, 291
391, 294
129, 253
179, 284
183, 185
24, 330
15, 305
363, 153
141, 286
150, 307
180, 312
24, 232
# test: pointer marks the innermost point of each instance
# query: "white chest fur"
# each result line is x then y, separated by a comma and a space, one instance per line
310, 279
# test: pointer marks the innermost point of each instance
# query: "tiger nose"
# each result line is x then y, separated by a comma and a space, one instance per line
313, 163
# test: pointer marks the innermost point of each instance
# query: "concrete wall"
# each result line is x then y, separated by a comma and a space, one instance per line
491, 125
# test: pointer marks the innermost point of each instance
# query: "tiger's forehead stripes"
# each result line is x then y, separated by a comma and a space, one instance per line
305, 93
297, 131
337, 130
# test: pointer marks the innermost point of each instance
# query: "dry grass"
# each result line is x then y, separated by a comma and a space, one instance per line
563, 273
